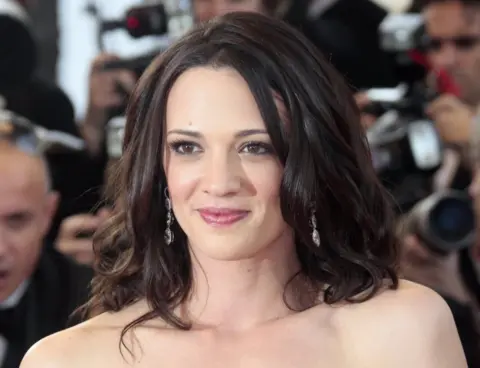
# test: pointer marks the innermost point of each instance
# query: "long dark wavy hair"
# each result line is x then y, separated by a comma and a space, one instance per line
325, 156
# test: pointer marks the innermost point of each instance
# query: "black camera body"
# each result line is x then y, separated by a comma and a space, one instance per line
444, 221
407, 151
169, 18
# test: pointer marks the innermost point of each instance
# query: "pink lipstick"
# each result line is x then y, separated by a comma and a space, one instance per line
222, 216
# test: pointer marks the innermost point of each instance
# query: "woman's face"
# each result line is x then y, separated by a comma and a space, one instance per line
208, 9
223, 176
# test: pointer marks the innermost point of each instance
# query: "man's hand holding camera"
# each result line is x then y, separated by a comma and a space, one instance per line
452, 118
75, 235
107, 90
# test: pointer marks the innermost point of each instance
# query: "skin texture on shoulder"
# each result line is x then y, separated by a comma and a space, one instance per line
54, 351
409, 327
94, 343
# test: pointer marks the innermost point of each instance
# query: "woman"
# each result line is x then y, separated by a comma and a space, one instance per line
252, 230
104, 95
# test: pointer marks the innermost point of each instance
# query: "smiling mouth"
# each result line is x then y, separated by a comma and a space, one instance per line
222, 216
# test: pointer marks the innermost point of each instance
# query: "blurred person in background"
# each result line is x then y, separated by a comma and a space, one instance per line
77, 176
39, 287
453, 44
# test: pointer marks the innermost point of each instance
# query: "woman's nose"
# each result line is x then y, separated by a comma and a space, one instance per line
222, 175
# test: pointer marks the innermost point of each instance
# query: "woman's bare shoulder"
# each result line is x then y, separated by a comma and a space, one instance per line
72, 347
90, 343
407, 327
408, 297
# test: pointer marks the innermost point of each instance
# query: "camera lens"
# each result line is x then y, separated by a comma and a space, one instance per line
452, 219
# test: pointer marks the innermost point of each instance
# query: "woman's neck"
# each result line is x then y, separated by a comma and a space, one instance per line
239, 295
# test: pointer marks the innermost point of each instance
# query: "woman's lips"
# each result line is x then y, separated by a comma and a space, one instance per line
222, 216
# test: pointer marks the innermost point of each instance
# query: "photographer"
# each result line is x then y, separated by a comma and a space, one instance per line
22, 91
40, 287
107, 91
452, 48
453, 45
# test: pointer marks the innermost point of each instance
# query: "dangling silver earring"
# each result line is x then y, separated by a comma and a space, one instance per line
315, 234
169, 237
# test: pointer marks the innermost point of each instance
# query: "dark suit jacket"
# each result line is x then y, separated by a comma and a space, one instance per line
57, 288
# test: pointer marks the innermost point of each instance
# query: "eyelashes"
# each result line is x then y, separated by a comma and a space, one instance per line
256, 148
183, 147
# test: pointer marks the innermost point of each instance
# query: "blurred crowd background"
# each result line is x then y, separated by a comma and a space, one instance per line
67, 68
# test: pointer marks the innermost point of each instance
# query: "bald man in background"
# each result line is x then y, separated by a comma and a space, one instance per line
39, 287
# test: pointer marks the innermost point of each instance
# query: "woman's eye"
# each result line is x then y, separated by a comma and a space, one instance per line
257, 148
184, 148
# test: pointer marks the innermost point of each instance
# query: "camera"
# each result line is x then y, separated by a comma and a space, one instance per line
444, 221
400, 33
407, 151
405, 147
169, 18
404, 142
